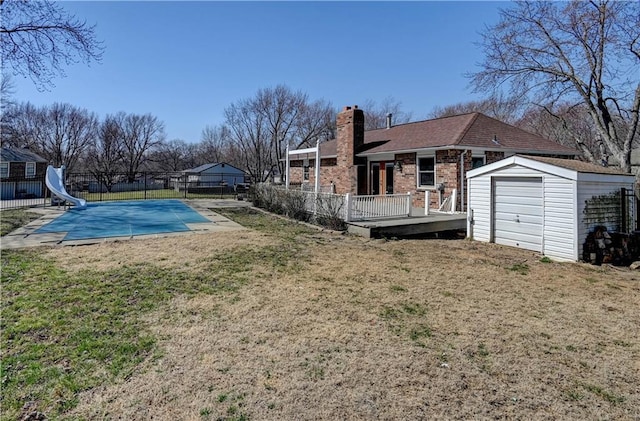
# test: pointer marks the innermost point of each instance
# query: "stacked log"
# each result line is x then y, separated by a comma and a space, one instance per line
618, 249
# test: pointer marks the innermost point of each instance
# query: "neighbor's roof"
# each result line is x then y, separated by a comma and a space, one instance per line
205, 167
19, 155
575, 165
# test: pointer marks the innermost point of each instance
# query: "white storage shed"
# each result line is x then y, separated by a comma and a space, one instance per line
547, 205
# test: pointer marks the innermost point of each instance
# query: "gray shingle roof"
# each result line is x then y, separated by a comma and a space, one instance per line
473, 130
19, 155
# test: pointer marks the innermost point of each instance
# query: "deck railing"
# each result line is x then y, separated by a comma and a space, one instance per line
350, 207
360, 208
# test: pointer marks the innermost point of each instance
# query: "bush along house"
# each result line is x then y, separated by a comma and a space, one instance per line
431, 155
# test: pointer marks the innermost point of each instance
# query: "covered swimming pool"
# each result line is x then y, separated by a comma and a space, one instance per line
124, 219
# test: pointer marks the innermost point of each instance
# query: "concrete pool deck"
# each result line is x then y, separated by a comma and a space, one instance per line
26, 237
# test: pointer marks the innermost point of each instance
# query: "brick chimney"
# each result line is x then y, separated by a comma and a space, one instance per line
350, 136
350, 128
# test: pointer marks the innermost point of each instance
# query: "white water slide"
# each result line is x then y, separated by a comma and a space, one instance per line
56, 185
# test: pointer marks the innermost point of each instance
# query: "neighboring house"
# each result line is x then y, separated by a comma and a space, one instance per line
547, 205
212, 175
431, 155
22, 174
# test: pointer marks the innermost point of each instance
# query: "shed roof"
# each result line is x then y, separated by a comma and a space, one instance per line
19, 155
579, 166
569, 168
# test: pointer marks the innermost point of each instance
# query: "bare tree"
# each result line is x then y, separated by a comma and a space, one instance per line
248, 134
214, 144
567, 124
261, 127
60, 133
174, 155
104, 157
141, 133
375, 114
508, 110
584, 52
38, 38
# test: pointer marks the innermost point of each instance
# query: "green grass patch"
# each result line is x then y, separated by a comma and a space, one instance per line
609, 397
270, 224
12, 219
66, 333
520, 268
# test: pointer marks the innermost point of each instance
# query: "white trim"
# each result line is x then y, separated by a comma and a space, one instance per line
435, 179
26, 169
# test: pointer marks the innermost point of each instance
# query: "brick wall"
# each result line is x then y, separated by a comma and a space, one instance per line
447, 172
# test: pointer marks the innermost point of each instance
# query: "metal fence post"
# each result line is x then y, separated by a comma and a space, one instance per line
144, 174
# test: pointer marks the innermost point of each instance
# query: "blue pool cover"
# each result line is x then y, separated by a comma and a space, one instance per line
122, 219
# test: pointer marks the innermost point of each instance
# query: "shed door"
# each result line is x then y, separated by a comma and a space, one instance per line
518, 212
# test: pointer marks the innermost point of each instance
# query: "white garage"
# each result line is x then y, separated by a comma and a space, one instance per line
547, 205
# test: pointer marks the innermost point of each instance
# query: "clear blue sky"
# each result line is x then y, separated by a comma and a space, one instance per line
185, 62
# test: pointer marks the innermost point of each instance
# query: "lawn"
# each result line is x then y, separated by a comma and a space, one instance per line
283, 321
11, 219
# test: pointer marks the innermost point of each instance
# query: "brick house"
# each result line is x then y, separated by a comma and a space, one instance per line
431, 155
22, 174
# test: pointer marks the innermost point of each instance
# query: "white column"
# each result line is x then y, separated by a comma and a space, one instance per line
426, 203
317, 186
287, 170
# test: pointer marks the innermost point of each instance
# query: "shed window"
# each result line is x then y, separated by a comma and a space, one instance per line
30, 170
426, 171
4, 169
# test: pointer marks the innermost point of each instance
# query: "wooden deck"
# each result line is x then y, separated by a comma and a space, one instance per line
414, 225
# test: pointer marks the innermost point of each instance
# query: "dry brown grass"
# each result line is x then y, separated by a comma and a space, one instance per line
370, 329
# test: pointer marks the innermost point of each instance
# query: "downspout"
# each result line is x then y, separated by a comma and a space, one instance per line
462, 156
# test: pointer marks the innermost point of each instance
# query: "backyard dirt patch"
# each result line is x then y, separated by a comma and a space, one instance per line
350, 328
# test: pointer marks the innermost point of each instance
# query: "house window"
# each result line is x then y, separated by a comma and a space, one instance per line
426, 171
478, 161
30, 170
305, 174
4, 169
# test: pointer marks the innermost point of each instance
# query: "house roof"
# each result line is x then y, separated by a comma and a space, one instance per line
473, 130
19, 155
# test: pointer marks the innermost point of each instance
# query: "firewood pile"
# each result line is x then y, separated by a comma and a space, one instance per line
614, 248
